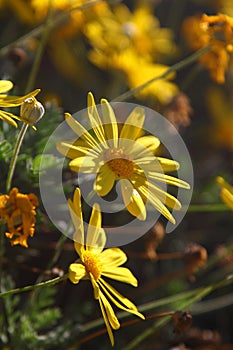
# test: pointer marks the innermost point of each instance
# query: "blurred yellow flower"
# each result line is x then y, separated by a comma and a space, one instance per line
226, 7
11, 101
226, 192
125, 156
216, 31
18, 211
162, 89
134, 43
96, 263
119, 29
220, 107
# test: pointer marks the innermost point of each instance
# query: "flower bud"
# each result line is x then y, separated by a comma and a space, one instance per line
31, 110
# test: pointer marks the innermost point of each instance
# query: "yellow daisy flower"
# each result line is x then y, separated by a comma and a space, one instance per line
11, 101
96, 263
226, 192
18, 211
125, 156
118, 29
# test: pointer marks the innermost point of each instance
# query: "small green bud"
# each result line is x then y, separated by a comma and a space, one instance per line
31, 110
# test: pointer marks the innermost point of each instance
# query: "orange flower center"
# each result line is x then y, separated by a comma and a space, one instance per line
119, 163
92, 264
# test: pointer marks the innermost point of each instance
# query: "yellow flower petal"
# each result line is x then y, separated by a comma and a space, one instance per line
114, 323
76, 272
133, 124
168, 164
88, 164
118, 299
82, 132
94, 118
104, 181
110, 127
95, 286
96, 237
136, 151
164, 197
5, 85
157, 204
109, 329
170, 180
112, 257
8, 118
14, 101
224, 184
77, 219
150, 142
133, 200
227, 198
165, 164
121, 274
71, 150
226, 192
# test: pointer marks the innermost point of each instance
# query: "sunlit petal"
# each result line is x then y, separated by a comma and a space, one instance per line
81, 132
77, 219
112, 257
110, 123
133, 125
170, 180
87, 163
149, 142
5, 85
109, 329
133, 200
76, 272
118, 299
94, 118
157, 204
96, 237
104, 181
121, 274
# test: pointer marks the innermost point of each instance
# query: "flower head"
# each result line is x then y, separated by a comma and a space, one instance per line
31, 111
207, 30
96, 263
7, 101
226, 192
18, 211
125, 156
118, 29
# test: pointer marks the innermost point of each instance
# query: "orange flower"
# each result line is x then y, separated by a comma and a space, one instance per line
18, 211
216, 31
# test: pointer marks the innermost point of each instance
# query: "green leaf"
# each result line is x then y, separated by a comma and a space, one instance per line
43, 162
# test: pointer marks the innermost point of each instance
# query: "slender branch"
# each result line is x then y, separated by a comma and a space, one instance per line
15, 156
56, 22
213, 207
176, 67
34, 286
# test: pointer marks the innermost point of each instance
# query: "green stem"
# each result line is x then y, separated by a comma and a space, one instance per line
208, 208
15, 156
34, 286
30, 84
176, 67
192, 296
56, 22
183, 306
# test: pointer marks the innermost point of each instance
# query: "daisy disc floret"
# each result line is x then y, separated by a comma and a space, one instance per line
116, 152
96, 263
